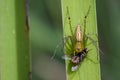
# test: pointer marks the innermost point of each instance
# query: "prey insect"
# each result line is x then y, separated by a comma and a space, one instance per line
75, 44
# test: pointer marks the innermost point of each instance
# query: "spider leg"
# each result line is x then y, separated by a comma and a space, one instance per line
95, 44
64, 40
91, 60
84, 28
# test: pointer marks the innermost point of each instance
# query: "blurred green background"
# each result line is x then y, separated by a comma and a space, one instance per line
46, 32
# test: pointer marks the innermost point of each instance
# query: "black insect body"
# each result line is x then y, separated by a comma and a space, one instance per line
78, 57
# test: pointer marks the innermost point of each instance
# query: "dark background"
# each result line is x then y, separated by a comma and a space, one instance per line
46, 32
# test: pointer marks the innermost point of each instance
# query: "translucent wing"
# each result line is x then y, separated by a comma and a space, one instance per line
74, 68
66, 57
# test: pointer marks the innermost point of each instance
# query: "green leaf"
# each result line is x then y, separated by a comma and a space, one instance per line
89, 68
14, 41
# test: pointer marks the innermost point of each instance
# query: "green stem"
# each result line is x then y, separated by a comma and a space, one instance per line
88, 70
14, 41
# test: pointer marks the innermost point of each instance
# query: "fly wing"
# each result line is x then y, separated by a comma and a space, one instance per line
74, 68
65, 57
